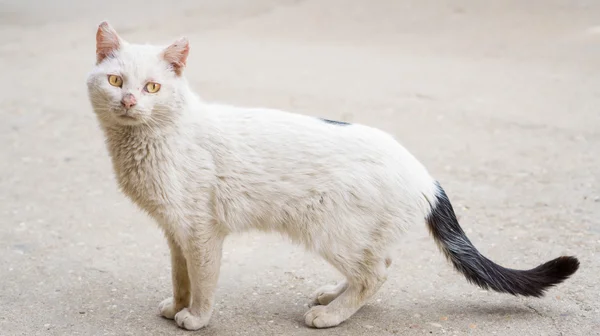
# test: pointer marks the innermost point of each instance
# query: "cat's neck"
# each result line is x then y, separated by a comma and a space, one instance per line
121, 134
138, 154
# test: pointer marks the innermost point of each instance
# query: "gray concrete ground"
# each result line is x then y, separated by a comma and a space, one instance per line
498, 98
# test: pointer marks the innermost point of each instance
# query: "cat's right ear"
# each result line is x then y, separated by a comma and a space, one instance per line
107, 41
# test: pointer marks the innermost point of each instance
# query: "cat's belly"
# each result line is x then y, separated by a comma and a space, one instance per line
306, 208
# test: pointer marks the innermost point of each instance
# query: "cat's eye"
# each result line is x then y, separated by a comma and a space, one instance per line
152, 87
115, 80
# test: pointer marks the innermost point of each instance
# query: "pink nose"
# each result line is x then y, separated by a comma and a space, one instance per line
128, 100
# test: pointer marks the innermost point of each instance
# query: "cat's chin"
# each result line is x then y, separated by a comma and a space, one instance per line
128, 120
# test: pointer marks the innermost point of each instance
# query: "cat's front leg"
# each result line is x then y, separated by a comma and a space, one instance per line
181, 282
203, 254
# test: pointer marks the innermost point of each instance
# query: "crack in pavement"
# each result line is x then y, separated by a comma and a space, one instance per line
554, 323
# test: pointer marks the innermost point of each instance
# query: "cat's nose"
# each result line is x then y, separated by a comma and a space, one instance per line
128, 101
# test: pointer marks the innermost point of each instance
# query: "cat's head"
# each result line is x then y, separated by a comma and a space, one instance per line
136, 84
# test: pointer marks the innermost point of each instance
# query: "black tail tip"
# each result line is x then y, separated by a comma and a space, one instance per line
555, 271
549, 274
563, 267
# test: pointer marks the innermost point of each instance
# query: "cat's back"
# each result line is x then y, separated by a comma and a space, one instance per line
277, 130
276, 140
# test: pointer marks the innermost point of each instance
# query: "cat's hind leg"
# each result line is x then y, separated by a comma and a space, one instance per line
364, 277
325, 294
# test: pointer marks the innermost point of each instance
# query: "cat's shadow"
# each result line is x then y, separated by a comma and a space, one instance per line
473, 310
488, 310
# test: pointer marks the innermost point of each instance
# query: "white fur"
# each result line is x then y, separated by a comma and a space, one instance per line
204, 171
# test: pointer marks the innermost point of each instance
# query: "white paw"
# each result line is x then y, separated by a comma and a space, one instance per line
167, 308
187, 321
322, 317
324, 295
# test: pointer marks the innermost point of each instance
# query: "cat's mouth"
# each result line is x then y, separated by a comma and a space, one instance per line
128, 117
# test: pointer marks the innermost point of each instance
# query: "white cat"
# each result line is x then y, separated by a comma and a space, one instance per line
204, 171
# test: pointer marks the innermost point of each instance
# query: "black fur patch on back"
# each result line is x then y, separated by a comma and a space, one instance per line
335, 122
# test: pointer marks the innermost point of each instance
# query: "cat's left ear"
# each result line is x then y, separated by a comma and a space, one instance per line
107, 41
176, 54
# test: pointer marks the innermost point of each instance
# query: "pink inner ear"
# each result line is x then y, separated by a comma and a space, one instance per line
107, 41
176, 54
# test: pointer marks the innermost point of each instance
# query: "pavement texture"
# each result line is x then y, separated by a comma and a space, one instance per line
499, 99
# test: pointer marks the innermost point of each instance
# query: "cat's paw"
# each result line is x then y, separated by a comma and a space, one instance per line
322, 317
324, 295
187, 321
167, 308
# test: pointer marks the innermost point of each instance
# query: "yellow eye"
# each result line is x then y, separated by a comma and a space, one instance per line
115, 80
152, 87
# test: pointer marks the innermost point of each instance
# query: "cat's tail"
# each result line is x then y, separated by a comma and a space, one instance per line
481, 271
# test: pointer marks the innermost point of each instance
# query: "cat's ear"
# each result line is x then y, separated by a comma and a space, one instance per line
107, 41
176, 54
